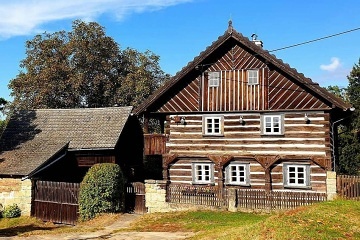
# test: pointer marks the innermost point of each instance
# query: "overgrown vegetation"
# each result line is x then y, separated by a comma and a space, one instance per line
101, 191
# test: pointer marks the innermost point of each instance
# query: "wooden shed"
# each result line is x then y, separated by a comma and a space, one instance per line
54, 148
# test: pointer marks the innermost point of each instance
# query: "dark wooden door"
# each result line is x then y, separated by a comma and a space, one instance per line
135, 198
55, 201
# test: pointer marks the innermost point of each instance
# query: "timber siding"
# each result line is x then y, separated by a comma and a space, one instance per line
275, 90
299, 138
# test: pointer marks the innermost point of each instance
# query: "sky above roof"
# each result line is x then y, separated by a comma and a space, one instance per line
178, 30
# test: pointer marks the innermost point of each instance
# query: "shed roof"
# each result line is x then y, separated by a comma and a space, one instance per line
33, 137
232, 35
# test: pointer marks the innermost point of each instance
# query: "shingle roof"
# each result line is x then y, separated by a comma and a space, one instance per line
269, 58
33, 137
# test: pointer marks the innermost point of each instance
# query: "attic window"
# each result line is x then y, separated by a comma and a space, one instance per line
253, 77
214, 79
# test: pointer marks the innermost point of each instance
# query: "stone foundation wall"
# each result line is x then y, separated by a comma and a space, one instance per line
331, 185
16, 191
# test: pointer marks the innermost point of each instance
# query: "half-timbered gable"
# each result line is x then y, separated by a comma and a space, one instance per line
238, 116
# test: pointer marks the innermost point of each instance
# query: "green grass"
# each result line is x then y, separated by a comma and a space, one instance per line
338, 219
329, 220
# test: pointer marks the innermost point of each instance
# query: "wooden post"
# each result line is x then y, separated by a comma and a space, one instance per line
146, 124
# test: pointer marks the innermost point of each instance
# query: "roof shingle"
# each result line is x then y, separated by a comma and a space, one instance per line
33, 137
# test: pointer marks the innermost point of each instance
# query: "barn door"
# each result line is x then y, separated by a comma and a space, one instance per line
55, 201
135, 198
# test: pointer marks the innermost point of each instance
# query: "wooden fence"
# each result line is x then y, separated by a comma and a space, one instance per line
56, 202
260, 199
196, 195
348, 187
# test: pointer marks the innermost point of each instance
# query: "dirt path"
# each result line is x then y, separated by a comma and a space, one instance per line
110, 233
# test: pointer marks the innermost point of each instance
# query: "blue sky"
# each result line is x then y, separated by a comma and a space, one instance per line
178, 30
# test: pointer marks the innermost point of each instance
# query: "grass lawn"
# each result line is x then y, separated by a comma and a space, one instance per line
338, 219
329, 220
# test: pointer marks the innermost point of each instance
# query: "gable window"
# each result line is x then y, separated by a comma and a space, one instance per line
252, 77
238, 174
296, 175
203, 173
214, 79
213, 125
272, 124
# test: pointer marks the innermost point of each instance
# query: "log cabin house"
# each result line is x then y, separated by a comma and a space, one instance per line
236, 116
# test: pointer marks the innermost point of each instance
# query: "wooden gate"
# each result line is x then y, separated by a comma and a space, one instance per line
348, 187
55, 201
135, 198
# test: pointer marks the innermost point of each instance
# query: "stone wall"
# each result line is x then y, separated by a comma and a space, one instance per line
13, 190
331, 185
155, 196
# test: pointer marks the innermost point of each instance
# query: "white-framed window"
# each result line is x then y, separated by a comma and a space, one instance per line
253, 77
296, 175
237, 174
272, 124
213, 125
214, 79
203, 173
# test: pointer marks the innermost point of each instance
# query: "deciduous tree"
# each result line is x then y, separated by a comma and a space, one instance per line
83, 68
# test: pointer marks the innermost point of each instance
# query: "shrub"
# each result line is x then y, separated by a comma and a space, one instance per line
12, 211
101, 191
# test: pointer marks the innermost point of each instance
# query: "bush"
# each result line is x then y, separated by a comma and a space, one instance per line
12, 211
101, 191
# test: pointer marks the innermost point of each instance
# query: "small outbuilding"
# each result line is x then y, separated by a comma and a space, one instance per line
59, 146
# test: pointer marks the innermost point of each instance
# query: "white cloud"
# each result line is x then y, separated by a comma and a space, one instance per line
24, 17
334, 65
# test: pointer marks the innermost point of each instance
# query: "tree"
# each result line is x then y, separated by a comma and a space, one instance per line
83, 68
340, 92
349, 144
3, 102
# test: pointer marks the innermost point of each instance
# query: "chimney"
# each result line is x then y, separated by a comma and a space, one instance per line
256, 41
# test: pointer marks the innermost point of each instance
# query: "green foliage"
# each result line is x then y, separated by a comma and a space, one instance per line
83, 68
340, 92
101, 191
3, 102
349, 142
12, 211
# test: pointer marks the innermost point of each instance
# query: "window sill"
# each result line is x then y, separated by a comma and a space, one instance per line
203, 183
237, 185
213, 135
298, 187
272, 135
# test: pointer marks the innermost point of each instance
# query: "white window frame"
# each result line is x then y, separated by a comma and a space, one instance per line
270, 122
213, 125
253, 76
214, 79
238, 174
202, 173
296, 175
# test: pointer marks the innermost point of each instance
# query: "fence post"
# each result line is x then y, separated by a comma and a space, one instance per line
331, 185
232, 198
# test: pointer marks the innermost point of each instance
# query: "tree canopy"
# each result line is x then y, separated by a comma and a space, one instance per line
83, 68
349, 144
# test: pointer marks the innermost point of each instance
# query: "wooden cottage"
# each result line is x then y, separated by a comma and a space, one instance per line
236, 116
51, 147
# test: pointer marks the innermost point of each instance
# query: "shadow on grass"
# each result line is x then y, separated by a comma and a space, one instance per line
14, 231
